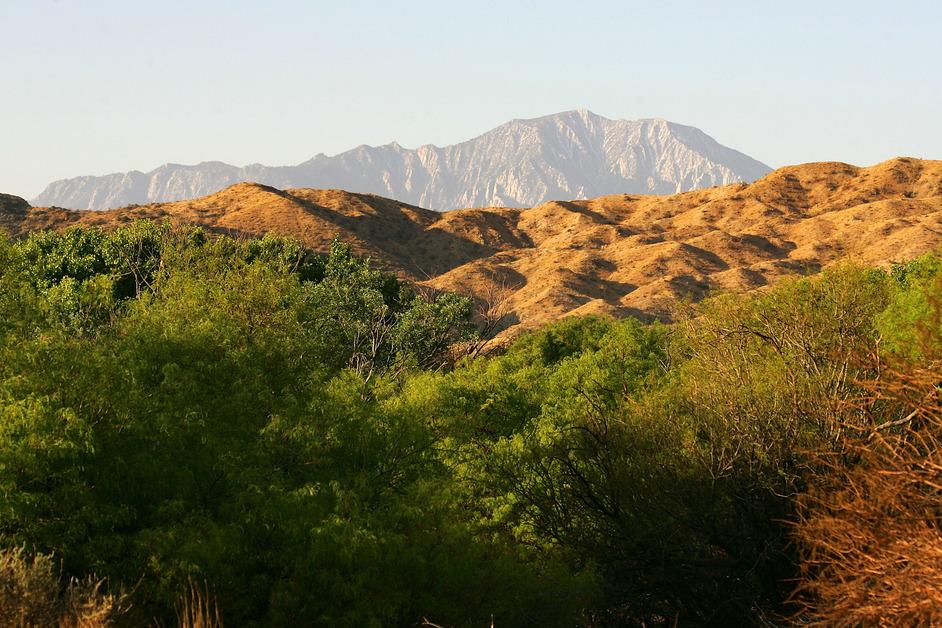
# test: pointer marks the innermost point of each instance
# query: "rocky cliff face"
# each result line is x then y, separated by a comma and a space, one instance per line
570, 155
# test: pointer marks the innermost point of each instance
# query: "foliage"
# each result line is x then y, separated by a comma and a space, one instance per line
868, 530
31, 594
911, 325
300, 434
230, 422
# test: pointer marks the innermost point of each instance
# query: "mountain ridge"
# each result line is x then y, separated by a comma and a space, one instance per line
521, 163
614, 255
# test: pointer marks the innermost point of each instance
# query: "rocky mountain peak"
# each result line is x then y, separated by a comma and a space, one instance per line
524, 162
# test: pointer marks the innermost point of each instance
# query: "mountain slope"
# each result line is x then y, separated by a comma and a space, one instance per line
575, 154
617, 254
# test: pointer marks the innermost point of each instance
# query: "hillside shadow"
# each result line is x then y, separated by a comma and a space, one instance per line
596, 217
767, 245
408, 243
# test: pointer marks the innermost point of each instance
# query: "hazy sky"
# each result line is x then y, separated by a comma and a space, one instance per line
98, 86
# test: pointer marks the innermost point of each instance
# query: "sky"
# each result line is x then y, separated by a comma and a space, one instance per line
100, 86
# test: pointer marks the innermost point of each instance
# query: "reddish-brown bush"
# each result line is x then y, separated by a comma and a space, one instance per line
869, 532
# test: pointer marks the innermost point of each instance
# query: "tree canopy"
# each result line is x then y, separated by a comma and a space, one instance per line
304, 435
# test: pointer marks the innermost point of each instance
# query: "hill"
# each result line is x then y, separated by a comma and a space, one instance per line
617, 254
574, 154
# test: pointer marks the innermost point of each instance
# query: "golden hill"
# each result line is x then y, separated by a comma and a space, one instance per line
615, 254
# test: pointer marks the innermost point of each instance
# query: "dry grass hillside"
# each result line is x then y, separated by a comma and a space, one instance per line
614, 254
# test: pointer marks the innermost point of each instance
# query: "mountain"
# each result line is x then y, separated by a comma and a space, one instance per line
618, 254
15, 205
575, 154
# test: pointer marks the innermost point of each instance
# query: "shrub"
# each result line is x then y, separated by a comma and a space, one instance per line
32, 594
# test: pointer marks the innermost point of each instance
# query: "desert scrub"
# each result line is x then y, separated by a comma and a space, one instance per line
32, 593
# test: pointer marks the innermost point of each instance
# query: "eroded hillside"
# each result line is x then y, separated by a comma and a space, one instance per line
619, 254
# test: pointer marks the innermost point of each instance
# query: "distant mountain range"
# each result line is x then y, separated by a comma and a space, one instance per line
571, 155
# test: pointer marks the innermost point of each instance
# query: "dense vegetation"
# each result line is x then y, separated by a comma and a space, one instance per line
301, 435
